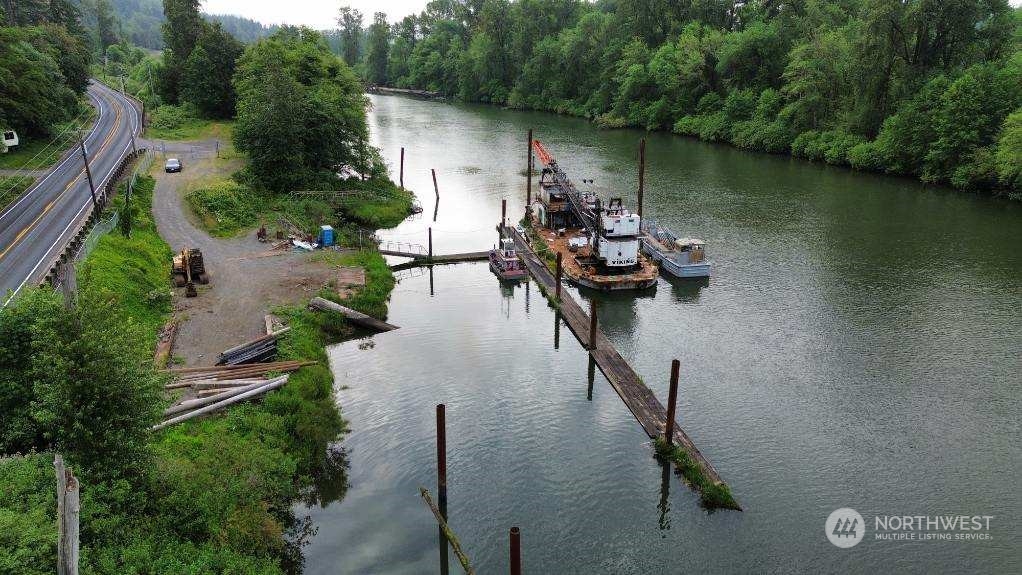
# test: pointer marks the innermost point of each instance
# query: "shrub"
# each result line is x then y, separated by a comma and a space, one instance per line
28, 508
715, 128
689, 125
866, 156
225, 207
840, 145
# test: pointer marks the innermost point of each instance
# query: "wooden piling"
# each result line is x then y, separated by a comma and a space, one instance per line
592, 324
401, 177
429, 257
560, 274
515, 537
528, 173
68, 512
642, 173
441, 458
436, 190
672, 400
503, 215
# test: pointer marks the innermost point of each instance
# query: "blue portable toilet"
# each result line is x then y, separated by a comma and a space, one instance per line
326, 236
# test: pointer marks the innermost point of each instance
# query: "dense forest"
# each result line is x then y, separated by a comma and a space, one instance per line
926, 88
45, 54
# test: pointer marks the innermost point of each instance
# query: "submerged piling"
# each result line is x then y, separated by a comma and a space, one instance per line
401, 177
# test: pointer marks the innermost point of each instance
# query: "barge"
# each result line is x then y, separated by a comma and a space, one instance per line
599, 243
680, 257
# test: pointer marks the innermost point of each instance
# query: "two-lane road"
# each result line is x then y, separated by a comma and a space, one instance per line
37, 226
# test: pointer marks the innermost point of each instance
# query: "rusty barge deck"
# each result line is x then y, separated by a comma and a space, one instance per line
641, 400
643, 278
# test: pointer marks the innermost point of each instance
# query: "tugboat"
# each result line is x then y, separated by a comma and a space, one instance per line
680, 257
504, 262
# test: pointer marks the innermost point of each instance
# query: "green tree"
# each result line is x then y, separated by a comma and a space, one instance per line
208, 73
34, 95
379, 50
301, 111
181, 33
106, 25
349, 23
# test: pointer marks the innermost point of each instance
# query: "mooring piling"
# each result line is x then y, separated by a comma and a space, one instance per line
528, 173
672, 401
441, 482
401, 177
642, 174
503, 215
441, 458
515, 536
436, 189
560, 273
429, 254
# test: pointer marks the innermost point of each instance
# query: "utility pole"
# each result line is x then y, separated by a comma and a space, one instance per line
88, 172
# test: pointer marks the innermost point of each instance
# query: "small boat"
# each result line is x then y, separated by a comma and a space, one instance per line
504, 261
680, 257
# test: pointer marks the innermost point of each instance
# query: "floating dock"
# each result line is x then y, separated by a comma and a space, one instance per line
641, 401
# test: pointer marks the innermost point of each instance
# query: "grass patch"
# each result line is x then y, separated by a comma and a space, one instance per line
136, 269
32, 155
226, 207
382, 205
712, 495
370, 299
184, 123
11, 188
35, 153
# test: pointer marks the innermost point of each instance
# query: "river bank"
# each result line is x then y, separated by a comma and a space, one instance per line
831, 339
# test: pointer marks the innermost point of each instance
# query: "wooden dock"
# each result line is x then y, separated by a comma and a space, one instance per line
421, 259
641, 401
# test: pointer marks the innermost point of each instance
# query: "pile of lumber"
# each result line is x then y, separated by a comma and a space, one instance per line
213, 388
259, 349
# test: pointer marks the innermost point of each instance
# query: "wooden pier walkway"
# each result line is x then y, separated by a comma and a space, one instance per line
641, 401
422, 259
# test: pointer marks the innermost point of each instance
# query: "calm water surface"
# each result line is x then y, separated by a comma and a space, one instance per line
858, 345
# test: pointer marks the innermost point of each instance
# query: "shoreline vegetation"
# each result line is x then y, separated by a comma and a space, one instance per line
922, 89
216, 494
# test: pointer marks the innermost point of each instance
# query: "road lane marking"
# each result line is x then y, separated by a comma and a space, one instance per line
49, 206
38, 185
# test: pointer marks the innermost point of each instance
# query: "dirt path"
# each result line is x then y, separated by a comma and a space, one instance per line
246, 278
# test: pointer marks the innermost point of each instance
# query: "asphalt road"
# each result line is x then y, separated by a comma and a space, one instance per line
36, 227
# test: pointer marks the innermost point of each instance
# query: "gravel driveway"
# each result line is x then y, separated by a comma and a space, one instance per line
246, 278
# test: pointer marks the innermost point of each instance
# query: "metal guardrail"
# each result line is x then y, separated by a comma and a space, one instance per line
403, 247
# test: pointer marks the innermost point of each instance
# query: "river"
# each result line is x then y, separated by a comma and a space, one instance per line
857, 346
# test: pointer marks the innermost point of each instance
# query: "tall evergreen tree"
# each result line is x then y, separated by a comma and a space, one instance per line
379, 49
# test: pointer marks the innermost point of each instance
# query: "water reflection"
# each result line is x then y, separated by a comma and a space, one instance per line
557, 329
592, 377
664, 506
686, 290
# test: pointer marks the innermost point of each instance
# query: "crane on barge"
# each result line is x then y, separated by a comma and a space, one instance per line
614, 230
